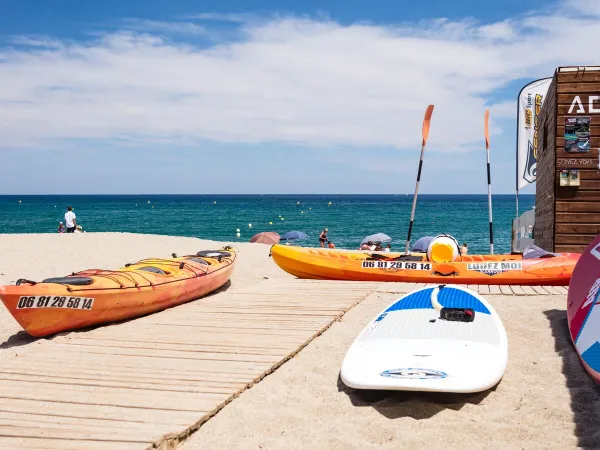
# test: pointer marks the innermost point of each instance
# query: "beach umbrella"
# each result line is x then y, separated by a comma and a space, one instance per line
378, 237
422, 244
268, 237
291, 235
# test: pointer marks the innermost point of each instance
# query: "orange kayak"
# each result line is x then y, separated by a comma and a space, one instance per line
330, 264
94, 296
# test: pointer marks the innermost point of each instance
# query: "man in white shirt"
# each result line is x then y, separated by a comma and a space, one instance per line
70, 221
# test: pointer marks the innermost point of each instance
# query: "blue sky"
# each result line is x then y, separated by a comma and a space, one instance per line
310, 97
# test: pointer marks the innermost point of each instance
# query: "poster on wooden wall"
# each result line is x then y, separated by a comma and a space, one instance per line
577, 134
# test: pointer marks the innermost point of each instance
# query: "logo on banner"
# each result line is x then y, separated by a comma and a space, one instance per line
494, 268
530, 169
528, 132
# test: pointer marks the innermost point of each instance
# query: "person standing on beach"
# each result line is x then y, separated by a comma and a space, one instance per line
323, 237
70, 221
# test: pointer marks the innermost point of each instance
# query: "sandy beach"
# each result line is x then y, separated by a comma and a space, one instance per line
545, 399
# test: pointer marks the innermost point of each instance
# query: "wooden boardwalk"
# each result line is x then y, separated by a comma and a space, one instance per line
150, 382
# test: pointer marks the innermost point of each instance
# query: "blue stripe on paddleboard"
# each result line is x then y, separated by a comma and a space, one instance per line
592, 357
448, 298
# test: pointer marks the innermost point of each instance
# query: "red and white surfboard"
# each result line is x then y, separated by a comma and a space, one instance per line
583, 312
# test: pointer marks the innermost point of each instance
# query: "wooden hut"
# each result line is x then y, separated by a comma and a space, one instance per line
567, 207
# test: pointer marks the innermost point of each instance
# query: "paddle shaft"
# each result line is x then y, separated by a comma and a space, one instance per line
414, 205
489, 178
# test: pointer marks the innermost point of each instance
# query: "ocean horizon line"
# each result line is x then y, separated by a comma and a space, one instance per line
261, 195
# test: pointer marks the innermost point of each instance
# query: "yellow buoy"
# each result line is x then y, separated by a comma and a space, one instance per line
282, 218
301, 212
214, 203
148, 201
298, 203
19, 201
249, 225
237, 230
270, 223
237, 234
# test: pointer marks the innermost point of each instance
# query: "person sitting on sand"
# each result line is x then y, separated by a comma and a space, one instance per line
78, 229
330, 244
61, 228
463, 249
323, 237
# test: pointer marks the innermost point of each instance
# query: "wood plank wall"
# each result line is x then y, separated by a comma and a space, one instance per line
577, 216
545, 173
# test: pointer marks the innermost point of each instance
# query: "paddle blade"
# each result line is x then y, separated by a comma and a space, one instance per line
487, 131
426, 122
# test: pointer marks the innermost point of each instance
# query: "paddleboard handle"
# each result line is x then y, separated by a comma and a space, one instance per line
434, 297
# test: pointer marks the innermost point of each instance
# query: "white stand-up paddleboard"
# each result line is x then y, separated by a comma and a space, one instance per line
444, 339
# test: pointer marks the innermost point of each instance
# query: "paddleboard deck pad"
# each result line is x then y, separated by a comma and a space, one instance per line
583, 313
441, 339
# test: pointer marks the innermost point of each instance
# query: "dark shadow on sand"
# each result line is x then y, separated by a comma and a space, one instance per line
585, 394
416, 405
18, 339
21, 338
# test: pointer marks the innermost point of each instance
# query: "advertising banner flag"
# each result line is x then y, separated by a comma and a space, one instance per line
530, 102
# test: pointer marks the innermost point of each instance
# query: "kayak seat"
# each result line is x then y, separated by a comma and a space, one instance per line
213, 254
379, 256
75, 281
200, 261
153, 270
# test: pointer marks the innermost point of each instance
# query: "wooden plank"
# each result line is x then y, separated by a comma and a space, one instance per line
552, 290
108, 396
580, 217
495, 289
577, 88
32, 443
574, 194
86, 435
589, 207
506, 289
578, 76
529, 290
570, 248
59, 379
562, 289
484, 289
99, 413
574, 239
540, 290
578, 228
517, 290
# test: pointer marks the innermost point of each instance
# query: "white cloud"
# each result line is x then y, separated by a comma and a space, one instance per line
166, 27
288, 79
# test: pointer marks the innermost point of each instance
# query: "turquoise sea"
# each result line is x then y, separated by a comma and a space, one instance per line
348, 217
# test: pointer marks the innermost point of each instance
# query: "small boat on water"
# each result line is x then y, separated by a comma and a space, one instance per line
442, 263
97, 296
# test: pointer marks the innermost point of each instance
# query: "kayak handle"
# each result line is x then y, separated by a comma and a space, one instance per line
435, 272
23, 280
